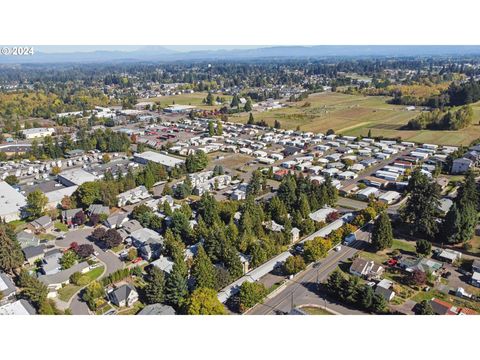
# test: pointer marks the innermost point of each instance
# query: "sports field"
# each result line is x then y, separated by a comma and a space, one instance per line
357, 114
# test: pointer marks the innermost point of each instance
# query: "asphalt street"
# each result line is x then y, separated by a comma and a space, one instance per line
303, 289
111, 261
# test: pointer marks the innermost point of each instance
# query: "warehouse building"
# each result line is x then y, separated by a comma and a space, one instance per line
165, 160
75, 177
11, 202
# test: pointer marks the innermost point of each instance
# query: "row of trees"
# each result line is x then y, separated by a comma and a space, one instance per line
102, 140
421, 212
350, 290
440, 120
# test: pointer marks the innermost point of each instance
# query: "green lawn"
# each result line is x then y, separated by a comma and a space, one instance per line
60, 226
19, 225
131, 310
382, 256
66, 292
46, 237
105, 307
311, 310
452, 299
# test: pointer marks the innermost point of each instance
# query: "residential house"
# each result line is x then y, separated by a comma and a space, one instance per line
321, 214
475, 279
68, 215
365, 194
366, 268
41, 225
133, 196
425, 265
26, 239
34, 253
98, 209
447, 255
19, 307
51, 262
273, 226
157, 309
441, 307
54, 280
163, 263
295, 234
444, 206
148, 242
476, 265
389, 197
384, 289
462, 165
125, 295
116, 220
7, 287
245, 260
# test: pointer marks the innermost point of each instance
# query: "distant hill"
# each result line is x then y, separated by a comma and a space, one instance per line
163, 53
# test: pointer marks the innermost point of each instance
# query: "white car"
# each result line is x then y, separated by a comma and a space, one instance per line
338, 248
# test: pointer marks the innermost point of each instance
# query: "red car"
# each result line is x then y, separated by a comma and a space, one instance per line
392, 262
138, 259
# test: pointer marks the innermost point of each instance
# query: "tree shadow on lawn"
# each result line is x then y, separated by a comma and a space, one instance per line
321, 291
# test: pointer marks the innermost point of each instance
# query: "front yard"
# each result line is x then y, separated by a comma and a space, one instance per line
60, 226
66, 292
403, 246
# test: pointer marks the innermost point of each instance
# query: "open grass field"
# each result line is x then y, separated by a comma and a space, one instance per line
355, 115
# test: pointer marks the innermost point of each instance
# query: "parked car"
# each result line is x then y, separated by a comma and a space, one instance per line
137, 260
446, 275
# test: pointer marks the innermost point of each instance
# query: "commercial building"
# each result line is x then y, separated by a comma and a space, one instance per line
165, 160
11, 202
178, 109
38, 132
75, 177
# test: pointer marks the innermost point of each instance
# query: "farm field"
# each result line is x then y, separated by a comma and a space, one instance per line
355, 115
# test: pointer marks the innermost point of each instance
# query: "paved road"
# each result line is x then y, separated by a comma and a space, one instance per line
360, 205
304, 290
111, 262
371, 170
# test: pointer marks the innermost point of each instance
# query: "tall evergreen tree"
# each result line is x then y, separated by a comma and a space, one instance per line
154, 290
461, 219
176, 288
382, 235
421, 209
11, 256
203, 270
